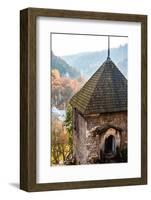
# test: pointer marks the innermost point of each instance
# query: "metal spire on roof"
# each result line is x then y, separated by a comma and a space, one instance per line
108, 57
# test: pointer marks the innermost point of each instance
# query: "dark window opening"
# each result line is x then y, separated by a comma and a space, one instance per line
109, 144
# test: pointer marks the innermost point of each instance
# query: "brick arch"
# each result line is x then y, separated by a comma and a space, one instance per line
98, 130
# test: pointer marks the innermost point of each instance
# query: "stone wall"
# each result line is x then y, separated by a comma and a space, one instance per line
95, 143
86, 146
79, 140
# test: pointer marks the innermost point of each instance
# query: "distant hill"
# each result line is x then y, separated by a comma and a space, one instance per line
88, 62
64, 68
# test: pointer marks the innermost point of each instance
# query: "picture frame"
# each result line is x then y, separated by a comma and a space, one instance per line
28, 99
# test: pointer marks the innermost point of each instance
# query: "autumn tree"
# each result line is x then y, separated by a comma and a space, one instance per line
63, 88
59, 143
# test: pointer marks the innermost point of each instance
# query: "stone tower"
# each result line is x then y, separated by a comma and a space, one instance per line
100, 116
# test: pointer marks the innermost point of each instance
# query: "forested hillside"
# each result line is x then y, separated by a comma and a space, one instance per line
63, 68
88, 62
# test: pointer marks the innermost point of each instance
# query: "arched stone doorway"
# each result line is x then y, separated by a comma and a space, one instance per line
107, 140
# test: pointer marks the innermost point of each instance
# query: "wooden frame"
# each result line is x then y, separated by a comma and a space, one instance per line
28, 98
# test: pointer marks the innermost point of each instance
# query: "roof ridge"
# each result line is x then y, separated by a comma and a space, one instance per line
105, 91
86, 84
102, 67
115, 92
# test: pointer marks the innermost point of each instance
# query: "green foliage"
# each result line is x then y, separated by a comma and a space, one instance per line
124, 155
68, 124
121, 155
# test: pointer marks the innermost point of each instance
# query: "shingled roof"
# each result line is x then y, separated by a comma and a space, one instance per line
105, 91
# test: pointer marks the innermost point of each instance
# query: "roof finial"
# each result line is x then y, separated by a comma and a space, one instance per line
108, 57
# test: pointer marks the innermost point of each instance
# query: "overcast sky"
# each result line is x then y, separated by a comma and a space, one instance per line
66, 44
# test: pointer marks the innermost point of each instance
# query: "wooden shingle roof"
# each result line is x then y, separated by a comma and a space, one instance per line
105, 91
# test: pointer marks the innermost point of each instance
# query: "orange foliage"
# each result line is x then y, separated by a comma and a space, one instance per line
63, 88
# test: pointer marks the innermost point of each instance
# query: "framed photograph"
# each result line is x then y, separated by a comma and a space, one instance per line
83, 93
